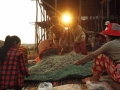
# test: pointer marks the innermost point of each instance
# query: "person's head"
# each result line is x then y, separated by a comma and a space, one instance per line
112, 32
9, 42
100, 37
107, 22
54, 20
14, 41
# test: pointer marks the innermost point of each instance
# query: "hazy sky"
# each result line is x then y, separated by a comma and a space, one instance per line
15, 18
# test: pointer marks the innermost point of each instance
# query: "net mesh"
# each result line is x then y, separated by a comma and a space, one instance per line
58, 67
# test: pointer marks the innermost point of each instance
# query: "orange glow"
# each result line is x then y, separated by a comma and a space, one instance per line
66, 18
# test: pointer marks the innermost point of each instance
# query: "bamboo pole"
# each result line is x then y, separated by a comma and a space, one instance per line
36, 27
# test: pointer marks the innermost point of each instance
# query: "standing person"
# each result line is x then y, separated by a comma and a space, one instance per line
107, 57
79, 37
57, 32
12, 64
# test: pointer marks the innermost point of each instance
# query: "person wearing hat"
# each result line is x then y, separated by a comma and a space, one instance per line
107, 57
100, 40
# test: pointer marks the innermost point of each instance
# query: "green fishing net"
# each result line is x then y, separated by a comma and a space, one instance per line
56, 67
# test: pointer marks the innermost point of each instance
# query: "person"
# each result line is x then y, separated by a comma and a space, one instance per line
100, 40
91, 41
56, 32
107, 57
12, 64
78, 37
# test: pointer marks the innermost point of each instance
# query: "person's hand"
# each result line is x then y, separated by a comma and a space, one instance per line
75, 41
77, 62
28, 74
60, 45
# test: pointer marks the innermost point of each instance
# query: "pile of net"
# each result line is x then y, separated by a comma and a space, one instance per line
57, 67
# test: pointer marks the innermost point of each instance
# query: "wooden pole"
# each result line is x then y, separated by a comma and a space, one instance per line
107, 9
55, 7
36, 27
80, 3
101, 16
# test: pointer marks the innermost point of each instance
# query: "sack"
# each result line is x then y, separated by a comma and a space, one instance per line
96, 86
45, 86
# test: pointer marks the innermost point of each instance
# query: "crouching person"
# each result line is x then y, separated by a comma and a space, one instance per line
12, 65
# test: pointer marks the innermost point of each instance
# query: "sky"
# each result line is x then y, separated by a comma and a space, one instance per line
15, 18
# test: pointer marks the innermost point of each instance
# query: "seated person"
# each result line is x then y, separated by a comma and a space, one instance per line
99, 41
107, 57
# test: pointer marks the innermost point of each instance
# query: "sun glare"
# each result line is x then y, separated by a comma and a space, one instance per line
66, 18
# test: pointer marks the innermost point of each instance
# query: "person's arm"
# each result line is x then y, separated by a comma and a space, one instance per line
50, 33
23, 50
85, 59
104, 48
86, 31
22, 65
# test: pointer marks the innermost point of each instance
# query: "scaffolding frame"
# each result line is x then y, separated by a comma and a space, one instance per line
40, 32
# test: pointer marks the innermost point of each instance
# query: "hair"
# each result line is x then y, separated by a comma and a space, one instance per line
9, 42
98, 34
114, 37
54, 19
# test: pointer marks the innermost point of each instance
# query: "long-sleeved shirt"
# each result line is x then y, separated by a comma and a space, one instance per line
111, 48
78, 33
13, 69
